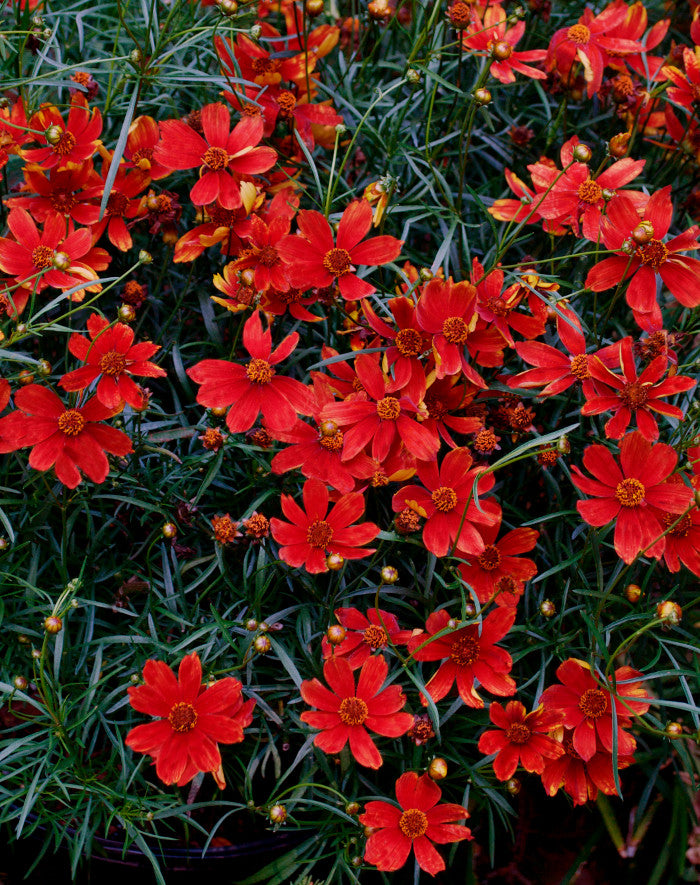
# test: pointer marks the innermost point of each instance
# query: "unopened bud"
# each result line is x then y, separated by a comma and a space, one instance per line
501, 50
43, 368
547, 608
352, 807
228, 7
482, 96
633, 593
53, 624
278, 814
643, 233
437, 769
389, 575
169, 531
618, 144
582, 153
513, 786
413, 76
669, 612
335, 561
20, 683
53, 134
336, 634
255, 32
61, 261
145, 257
674, 730
262, 644
314, 8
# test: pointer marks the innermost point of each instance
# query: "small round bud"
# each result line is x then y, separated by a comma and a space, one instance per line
669, 612
53, 134
335, 562
53, 624
61, 261
513, 786
21, 329
369, 831
126, 313
20, 683
134, 679
228, 7
251, 624
278, 814
563, 445
263, 626
25, 377
501, 50
617, 146
313, 7
453, 623
352, 807
255, 32
74, 603
219, 411
582, 153
547, 608
674, 730
327, 428
23, 640
43, 368
248, 277
628, 247
341, 129
425, 273
413, 76
356, 861
437, 769
470, 610
135, 56
169, 531
4, 544
262, 644
336, 634
643, 233
607, 194
696, 492
482, 96
633, 593
389, 575
36, 654
145, 257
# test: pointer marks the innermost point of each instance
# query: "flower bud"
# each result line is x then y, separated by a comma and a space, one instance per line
437, 769
262, 644
482, 96
352, 807
582, 153
669, 612
313, 7
563, 445
20, 683
547, 608
4, 544
278, 814
674, 730
43, 368
169, 531
643, 233
136, 57
53, 624
618, 144
413, 76
61, 261
251, 624
335, 562
633, 593
126, 313
25, 377
228, 7
501, 51
389, 575
145, 257
470, 610
513, 786
53, 134
336, 634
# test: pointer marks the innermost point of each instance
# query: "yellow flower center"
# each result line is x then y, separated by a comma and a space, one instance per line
112, 363
319, 534
215, 158
465, 650
353, 711
413, 823
388, 408
182, 717
337, 262
409, 342
653, 254
444, 498
579, 367
455, 330
630, 492
518, 733
579, 34
71, 422
259, 371
593, 703
42, 257
375, 636
490, 559
590, 192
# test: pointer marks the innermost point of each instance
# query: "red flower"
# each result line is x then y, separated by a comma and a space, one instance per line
442, 399
494, 38
316, 259
642, 254
631, 395
379, 417
498, 572
312, 534
73, 142
416, 824
254, 388
469, 655
686, 87
66, 191
581, 778
346, 713
141, 143
630, 492
521, 739
193, 719
63, 438
262, 256
222, 155
449, 503
586, 706
111, 356
682, 541
365, 634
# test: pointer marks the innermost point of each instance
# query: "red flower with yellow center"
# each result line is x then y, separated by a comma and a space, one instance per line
500, 559
522, 738
366, 634
346, 713
192, 719
469, 654
631, 493
74, 141
314, 533
416, 824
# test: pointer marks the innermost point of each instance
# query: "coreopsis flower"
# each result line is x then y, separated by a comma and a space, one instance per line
347, 713
521, 739
141, 143
365, 635
68, 439
682, 541
631, 493
222, 155
469, 653
448, 501
445, 397
192, 719
630, 395
311, 534
123, 205
580, 778
588, 42
73, 141
524, 210
66, 191
317, 259
586, 706
417, 823
686, 86
492, 36
641, 254
379, 417
262, 256
499, 572
498, 308
254, 388
112, 357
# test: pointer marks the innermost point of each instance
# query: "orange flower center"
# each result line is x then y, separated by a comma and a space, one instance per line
485, 441
579, 367
455, 330
287, 103
388, 408
42, 257
630, 492
319, 534
62, 201
634, 394
518, 733
332, 442
182, 717
413, 823
590, 191
65, 144
379, 479
268, 256
579, 34
337, 262
654, 253
71, 422
499, 307
444, 498
112, 363
142, 157
436, 407
593, 703
117, 204
353, 711
259, 371
375, 636
465, 650
568, 744
215, 158
490, 559
682, 528
264, 65
506, 584
409, 342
